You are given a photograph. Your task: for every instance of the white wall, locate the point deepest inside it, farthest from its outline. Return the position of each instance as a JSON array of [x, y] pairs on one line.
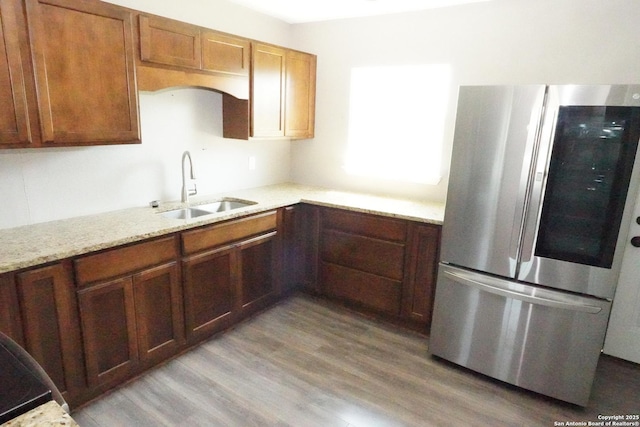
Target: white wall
[[497, 42], [501, 41], [38, 185]]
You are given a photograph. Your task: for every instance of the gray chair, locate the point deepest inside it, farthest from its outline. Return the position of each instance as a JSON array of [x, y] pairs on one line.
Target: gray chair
[[33, 366]]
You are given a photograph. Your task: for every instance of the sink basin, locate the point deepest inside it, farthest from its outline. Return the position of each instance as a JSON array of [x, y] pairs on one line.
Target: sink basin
[[221, 205], [225, 205], [185, 213]]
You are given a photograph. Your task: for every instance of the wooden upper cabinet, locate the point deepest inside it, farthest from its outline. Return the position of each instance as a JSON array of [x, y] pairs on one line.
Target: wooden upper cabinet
[[300, 95], [169, 42], [85, 72], [15, 79], [267, 90], [225, 54], [283, 93]]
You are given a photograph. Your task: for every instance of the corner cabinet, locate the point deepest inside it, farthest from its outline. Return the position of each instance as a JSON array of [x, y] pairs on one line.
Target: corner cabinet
[[282, 101], [84, 64]]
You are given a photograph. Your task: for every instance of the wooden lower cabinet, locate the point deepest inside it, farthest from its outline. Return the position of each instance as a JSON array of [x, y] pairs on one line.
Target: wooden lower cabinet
[[130, 309], [257, 269], [107, 311], [230, 270], [362, 259], [420, 288], [380, 264], [209, 291], [50, 325], [10, 323], [134, 306]]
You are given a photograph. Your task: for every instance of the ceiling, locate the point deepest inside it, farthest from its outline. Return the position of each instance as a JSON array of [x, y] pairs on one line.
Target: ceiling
[[300, 11]]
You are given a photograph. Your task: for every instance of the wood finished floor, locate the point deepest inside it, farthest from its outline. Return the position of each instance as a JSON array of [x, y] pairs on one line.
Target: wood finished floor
[[307, 363]]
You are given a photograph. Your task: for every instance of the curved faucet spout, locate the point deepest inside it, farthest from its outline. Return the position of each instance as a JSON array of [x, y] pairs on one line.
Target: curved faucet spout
[[186, 192]]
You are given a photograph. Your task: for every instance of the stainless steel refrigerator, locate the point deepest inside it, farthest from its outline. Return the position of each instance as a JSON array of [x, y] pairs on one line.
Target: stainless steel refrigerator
[[541, 191]]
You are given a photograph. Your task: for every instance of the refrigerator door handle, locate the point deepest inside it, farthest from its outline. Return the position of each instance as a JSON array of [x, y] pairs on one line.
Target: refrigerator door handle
[[540, 170], [527, 177], [548, 300]]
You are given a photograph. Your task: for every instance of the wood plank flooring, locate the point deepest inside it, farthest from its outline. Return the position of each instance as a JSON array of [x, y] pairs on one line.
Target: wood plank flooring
[[307, 363]]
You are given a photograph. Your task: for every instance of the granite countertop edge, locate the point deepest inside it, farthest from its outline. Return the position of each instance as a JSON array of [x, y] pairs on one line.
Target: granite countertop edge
[[42, 243]]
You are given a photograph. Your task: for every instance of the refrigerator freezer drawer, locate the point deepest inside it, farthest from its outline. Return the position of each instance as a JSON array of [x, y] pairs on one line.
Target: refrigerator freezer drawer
[[542, 340]]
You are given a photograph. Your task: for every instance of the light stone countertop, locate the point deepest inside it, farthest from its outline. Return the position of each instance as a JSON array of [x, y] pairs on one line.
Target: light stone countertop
[[36, 244], [49, 414]]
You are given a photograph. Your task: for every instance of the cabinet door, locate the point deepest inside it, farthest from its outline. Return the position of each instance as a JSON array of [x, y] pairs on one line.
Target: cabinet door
[[267, 91], [169, 42], [84, 67], [258, 273], [225, 54], [209, 281], [10, 323], [424, 242], [14, 116], [50, 323], [107, 314], [301, 95], [159, 317]]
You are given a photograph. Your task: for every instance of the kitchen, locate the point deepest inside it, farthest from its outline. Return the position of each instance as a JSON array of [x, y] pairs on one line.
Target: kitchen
[[514, 42]]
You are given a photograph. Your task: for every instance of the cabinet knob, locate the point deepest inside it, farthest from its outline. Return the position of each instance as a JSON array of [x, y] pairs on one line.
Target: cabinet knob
[[635, 241]]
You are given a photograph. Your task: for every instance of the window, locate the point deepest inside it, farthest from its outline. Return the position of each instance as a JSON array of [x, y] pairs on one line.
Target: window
[[396, 122]]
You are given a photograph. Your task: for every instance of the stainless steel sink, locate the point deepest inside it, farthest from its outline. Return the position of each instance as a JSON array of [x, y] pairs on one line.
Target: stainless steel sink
[[221, 205], [185, 213], [225, 205]]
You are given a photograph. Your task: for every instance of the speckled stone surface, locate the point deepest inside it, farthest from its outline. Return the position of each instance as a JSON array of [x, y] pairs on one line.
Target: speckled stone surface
[[48, 415], [35, 244]]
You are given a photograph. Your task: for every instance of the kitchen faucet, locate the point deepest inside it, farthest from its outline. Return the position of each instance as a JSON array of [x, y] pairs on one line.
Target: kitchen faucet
[[186, 192]]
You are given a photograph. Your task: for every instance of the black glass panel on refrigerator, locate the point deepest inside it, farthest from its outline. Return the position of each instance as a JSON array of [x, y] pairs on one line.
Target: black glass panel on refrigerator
[[590, 168]]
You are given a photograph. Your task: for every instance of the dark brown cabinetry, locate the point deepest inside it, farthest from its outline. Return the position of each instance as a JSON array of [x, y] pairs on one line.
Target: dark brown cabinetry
[[362, 259], [50, 324], [85, 72], [229, 271], [18, 120], [424, 249], [10, 323], [382, 264], [130, 308]]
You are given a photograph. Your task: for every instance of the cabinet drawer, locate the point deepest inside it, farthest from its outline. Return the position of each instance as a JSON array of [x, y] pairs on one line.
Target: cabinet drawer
[[365, 224], [124, 260], [216, 235], [363, 253], [362, 288]]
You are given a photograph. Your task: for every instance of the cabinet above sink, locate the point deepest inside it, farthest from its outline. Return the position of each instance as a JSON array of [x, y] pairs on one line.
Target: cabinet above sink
[[66, 89]]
